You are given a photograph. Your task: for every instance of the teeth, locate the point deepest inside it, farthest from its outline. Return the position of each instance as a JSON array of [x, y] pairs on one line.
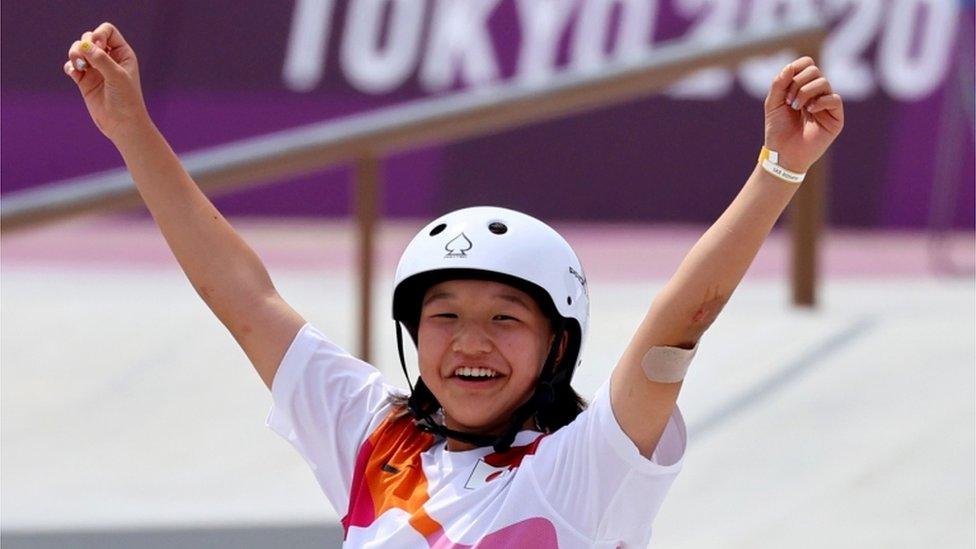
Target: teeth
[[475, 372]]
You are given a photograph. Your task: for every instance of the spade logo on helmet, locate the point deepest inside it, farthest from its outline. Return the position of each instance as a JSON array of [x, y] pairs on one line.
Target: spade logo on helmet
[[458, 246]]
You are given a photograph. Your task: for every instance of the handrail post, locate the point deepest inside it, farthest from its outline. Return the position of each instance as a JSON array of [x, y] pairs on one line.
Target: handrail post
[[367, 181], [807, 220], [807, 224]]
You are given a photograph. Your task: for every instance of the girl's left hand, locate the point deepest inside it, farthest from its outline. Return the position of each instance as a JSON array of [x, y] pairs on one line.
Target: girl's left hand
[[803, 115]]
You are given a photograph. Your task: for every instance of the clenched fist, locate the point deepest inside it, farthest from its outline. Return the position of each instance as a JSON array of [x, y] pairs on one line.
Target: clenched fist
[[803, 115], [104, 67]]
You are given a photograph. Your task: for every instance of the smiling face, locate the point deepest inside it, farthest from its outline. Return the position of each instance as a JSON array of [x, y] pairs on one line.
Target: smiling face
[[481, 348]]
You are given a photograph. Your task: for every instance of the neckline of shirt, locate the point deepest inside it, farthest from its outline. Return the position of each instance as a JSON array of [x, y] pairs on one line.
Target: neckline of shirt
[[464, 457]]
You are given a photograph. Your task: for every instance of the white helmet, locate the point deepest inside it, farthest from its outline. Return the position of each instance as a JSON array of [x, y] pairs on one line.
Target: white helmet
[[516, 249], [497, 244]]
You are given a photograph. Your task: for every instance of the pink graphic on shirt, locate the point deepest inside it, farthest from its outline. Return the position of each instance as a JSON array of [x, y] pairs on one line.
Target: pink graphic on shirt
[[362, 512], [537, 533]]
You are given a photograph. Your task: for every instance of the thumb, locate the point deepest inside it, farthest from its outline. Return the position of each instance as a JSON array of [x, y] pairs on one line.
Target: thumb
[[781, 85], [102, 61]]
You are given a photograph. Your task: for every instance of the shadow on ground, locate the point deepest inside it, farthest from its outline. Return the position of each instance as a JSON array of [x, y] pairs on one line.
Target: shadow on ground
[[294, 537]]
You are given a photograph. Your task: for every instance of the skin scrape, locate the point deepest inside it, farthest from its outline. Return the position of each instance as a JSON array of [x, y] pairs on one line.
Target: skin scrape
[[708, 311]]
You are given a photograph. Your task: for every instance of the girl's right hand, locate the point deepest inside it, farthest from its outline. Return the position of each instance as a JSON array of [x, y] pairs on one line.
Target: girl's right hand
[[104, 67]]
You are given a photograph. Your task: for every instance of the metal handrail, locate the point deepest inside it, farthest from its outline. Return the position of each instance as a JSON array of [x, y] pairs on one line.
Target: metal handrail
[[363, 138], [314, 147]]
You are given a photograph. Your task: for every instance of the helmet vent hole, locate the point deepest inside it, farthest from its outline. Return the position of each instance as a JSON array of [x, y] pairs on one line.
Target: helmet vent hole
[[438, 229], [569, 300], [497, 227]]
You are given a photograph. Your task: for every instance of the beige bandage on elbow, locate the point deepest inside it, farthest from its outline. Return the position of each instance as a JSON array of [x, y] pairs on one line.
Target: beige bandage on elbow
[[667, 364]]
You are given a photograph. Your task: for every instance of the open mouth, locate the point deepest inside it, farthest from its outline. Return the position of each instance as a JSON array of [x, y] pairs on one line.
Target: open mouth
[[476, 375]]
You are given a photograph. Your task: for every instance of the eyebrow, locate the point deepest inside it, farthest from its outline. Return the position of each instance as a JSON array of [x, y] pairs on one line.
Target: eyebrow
[[437, 296], [511, 298]]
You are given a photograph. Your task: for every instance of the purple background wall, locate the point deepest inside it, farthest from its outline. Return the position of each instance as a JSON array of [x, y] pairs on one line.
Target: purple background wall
[[212, 73]]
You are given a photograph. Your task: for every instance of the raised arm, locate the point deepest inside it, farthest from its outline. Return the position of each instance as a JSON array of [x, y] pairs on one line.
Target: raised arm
[[223, 269], [803, 116]]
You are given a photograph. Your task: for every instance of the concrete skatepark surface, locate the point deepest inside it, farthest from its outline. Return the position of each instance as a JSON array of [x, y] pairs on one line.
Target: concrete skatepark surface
[[130, 418]]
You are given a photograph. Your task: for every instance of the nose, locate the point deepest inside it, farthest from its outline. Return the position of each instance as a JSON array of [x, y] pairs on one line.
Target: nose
[[471, 339]]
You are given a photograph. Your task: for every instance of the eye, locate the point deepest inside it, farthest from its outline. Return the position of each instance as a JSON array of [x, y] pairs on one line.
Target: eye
[[444, 315], [504, 317]]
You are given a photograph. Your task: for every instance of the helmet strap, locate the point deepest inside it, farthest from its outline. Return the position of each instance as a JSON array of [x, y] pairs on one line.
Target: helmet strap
[[403, 362]]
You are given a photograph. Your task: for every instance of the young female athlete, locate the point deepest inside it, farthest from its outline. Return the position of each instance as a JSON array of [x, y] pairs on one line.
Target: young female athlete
[[492, 447]]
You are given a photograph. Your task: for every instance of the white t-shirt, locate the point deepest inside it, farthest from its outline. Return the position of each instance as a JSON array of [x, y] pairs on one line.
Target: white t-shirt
[[586, 485]]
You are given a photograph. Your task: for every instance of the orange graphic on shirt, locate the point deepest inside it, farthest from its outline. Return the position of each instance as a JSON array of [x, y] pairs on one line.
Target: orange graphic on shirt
[[389, 475]]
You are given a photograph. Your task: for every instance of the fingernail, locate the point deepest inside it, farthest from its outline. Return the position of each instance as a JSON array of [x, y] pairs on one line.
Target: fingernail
[[80, 64], [795, 105], [86, 46]]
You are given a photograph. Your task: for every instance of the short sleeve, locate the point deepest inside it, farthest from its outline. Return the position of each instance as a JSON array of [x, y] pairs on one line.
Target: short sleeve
[[325, 402], [595, 477]]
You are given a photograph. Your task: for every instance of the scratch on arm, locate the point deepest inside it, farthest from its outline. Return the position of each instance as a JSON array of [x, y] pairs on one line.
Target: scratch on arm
[[712, 304]]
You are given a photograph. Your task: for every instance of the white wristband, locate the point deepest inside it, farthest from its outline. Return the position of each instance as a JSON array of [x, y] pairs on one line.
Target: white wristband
[[769, 160]]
